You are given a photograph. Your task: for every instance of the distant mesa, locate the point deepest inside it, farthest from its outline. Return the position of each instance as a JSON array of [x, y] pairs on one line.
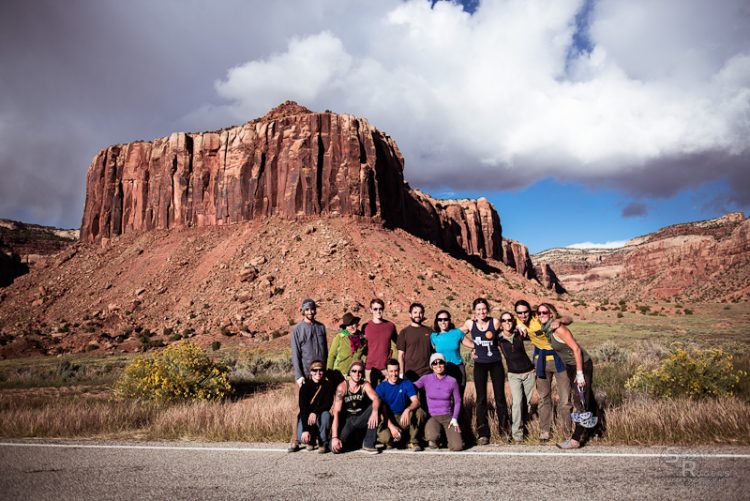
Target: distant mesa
[[24, 245], [700, 261], [291, 163]]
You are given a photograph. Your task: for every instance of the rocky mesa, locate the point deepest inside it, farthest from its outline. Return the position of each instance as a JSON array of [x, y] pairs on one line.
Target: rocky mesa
[[699, 261], [291, 163]]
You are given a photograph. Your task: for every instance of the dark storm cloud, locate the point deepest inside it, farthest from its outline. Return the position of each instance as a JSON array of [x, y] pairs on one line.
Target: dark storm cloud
[[634, 209], [78, 76], [475, 107]]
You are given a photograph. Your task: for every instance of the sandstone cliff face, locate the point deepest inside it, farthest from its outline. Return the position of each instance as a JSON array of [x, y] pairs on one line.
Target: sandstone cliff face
[[471, 227], [290, 163], [705, 260]]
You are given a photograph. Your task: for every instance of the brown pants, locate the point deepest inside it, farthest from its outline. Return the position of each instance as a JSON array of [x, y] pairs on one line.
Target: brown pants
[[564, 407], [435, 427], [416, 422]]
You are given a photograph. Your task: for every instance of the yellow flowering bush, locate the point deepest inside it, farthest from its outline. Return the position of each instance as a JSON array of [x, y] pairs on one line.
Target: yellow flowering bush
[[689, 373], [181, 371]]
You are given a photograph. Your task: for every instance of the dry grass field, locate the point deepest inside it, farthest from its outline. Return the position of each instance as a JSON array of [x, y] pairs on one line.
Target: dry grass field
[[72, 397]]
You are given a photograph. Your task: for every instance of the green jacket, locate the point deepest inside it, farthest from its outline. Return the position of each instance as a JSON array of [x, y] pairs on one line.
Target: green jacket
[[340, 356]]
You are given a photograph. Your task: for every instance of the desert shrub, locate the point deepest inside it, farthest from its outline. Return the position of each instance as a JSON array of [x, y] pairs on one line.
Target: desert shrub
[[690, 373], [609, 382], [253, 366], [609, 352], [215, 345], [180, 372]]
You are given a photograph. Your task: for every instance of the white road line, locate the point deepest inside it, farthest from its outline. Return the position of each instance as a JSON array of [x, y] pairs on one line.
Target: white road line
[[671, 453]]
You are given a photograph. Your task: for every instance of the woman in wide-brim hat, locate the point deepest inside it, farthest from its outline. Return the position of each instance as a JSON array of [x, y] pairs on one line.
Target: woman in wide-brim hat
[[348, 345]]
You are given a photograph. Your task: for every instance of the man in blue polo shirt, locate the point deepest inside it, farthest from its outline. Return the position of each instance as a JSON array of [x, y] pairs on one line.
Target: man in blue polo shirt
[[403, 416]]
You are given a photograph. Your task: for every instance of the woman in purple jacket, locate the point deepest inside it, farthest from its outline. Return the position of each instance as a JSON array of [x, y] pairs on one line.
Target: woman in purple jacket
[[443, 404]]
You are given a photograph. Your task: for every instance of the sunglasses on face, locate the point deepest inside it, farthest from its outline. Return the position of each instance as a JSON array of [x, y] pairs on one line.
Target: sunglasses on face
[[525, 312], [443, 319], [316, 370], [542, 312], [356, 371], [377, 309], [507, 320], [438, 362]]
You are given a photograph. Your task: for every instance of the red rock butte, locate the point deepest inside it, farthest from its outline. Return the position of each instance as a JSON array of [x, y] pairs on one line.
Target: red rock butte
[[291, 163]]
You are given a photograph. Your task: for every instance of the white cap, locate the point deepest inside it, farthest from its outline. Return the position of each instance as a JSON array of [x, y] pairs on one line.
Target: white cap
[[436, 356]]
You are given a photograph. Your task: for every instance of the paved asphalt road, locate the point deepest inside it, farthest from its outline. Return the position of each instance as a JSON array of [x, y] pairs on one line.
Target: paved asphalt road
[[126, 471]]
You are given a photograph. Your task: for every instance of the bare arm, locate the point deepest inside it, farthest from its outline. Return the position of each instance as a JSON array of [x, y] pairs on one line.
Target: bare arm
[[338, 402], [373, 421], [466, 327], [401, 362], [414, 405], [466, 341], [564, 334]]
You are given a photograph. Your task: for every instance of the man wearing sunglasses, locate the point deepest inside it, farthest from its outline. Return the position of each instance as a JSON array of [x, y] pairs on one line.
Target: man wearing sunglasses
[[548, 365], [381, 339], [355, 410], [315, 400]]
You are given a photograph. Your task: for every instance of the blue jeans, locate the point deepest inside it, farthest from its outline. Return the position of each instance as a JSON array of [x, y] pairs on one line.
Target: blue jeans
[[323, 425]]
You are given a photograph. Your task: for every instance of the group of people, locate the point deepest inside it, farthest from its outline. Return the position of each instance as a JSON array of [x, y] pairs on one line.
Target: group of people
[[378, 386]]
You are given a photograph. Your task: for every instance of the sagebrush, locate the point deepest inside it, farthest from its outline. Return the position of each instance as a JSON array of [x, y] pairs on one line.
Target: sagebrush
[[692, 373], [182, 371]]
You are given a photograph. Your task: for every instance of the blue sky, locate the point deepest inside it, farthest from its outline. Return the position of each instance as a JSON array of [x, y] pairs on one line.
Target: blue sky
[[551, 214], [605, 119]]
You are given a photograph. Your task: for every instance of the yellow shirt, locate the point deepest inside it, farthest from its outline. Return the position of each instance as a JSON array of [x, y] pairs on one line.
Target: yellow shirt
[[537, 337]]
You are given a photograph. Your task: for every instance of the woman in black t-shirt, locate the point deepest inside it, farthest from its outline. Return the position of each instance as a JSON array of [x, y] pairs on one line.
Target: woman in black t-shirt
[[520, 371]]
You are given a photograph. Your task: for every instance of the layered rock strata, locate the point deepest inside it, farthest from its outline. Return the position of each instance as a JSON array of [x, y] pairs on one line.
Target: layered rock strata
[[290, 163], [704, 260]]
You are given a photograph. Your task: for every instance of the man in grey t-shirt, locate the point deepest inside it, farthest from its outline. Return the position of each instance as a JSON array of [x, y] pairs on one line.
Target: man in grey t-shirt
[[309, 343]]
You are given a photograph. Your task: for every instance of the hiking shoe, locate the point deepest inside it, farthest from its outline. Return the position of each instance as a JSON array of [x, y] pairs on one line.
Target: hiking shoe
[[432, 444], [416, 447], [544, 436], [484, 441], [322, 449], [293, 447], [569, 444], [370, 450], [309, 447]]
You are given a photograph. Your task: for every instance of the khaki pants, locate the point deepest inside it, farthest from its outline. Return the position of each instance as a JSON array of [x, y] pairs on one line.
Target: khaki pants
[[416, 422], [520, 385], [564, 407], [435, 427]]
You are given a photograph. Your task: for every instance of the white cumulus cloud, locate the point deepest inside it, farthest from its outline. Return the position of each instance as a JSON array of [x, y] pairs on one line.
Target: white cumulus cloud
[[591, 245], [502, 98]]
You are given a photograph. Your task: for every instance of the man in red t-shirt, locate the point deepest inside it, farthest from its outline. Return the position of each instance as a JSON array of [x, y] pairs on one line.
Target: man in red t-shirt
[[381, 342]]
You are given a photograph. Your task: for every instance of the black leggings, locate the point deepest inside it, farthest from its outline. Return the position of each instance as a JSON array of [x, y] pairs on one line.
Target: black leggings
[[497, 376], [588, 398]]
